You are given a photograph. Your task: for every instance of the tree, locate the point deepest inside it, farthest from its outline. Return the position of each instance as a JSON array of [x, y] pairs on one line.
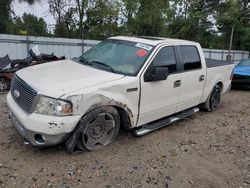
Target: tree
[[192, 19], [57, 9], [68, 13], [33, 25], [208, 22], [81, 6], [67, 27], [5, 13], [101, 19], [95, 19], [151, 18], [234, 13], [128, 11]]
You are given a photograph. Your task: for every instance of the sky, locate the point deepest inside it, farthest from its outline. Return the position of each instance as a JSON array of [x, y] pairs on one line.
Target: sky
[[40, 9]]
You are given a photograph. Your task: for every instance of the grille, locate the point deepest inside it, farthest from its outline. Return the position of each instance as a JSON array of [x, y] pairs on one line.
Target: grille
[[241, 77], [23, 94]]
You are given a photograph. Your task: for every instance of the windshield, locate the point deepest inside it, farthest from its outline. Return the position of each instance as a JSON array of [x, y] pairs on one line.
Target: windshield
[[118, 56], [245, 63]]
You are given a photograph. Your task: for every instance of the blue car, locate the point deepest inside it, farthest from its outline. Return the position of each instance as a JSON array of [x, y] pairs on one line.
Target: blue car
[[241, 76]]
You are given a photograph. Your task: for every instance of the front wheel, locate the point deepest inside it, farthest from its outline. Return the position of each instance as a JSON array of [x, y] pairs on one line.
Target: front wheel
[[97, 129], [213, 100]]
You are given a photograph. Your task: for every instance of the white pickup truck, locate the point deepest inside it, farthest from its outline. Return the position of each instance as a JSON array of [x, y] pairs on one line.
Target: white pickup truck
[[132, 82]]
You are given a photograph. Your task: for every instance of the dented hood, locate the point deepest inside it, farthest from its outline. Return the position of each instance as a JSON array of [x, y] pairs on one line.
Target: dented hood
[[61, 77]]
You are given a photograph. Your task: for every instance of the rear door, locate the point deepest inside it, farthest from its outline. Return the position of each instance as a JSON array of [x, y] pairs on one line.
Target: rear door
[[159, 98], [192, 78]]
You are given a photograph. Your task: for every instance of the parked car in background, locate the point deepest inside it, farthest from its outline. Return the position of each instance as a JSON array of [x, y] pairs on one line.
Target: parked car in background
[[138, 83], [241, 76]]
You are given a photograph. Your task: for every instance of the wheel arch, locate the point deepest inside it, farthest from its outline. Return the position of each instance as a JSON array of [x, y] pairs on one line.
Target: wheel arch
[[220, 84], [124, 117], [84, 104], [125, 114], [74, 143], [206, 105]]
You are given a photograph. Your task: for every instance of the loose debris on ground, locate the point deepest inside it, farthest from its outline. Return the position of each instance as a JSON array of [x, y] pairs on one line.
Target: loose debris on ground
[[205, 150]]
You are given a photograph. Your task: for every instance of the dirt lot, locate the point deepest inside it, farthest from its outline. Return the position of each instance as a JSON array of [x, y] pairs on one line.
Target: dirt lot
[[205, 150]]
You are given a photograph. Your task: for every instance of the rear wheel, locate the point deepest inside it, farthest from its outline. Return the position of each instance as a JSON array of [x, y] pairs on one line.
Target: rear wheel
[[97, 129], [213, 100]]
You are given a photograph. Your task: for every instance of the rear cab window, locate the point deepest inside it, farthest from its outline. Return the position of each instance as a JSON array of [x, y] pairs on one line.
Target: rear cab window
[[190, 58]]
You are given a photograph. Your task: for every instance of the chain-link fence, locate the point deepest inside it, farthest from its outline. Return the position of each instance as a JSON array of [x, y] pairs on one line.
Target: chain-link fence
[[235, 55], [18, 46]]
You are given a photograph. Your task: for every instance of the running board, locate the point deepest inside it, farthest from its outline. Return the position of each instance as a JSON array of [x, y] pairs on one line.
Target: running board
[[147, 128]]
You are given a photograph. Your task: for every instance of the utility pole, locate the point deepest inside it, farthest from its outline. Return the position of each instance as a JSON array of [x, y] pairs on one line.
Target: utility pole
[[230, 45], [81, 21], [82, 40], [27, 40]]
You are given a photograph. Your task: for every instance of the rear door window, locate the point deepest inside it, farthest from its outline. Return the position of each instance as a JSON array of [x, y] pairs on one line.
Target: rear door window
[[190, 57]]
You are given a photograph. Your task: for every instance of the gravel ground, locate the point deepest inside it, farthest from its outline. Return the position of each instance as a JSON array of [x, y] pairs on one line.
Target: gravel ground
[[205, 150]]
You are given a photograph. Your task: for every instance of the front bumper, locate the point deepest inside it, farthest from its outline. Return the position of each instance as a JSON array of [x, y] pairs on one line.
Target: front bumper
[[41, 130], [37, 139]]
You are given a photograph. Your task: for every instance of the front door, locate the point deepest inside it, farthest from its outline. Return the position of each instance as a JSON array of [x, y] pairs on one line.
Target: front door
[[160, 98]]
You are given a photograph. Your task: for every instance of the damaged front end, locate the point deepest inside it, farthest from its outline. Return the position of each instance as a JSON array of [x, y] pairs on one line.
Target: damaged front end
[[73, 143]]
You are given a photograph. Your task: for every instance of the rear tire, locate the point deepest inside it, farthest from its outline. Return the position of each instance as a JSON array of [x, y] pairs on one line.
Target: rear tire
[[19, 64], [213, 100], [97, 129]]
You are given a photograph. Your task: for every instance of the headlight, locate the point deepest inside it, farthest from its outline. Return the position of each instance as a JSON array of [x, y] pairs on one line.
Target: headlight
[[53, 107]]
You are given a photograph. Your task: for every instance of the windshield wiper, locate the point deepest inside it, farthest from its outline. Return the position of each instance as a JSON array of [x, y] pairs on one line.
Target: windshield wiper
[[84, 61], [103, 64], [91, 63]]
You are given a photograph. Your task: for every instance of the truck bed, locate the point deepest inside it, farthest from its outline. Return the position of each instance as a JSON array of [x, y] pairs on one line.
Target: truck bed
[[217, 70], [216, 63]]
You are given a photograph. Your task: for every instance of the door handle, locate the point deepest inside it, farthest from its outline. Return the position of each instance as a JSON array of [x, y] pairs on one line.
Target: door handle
[[202, 77], [177, 83]]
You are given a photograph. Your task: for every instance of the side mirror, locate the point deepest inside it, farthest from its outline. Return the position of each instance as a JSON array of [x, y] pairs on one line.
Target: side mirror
[[156, 74]]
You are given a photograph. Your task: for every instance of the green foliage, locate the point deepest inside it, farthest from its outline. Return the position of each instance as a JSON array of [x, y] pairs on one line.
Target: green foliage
[[5, 11], [101, 20], [245, 40], [150, 19], [208, 22], [31, 24], [191, 19], [232, 12], [67, 27]]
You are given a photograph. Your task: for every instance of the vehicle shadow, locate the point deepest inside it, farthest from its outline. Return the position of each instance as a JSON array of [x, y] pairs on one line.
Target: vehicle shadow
[[238, 88], [123, 138]]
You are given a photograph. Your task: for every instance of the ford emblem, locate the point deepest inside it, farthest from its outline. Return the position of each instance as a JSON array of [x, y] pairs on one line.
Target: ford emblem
[[17, 94]]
